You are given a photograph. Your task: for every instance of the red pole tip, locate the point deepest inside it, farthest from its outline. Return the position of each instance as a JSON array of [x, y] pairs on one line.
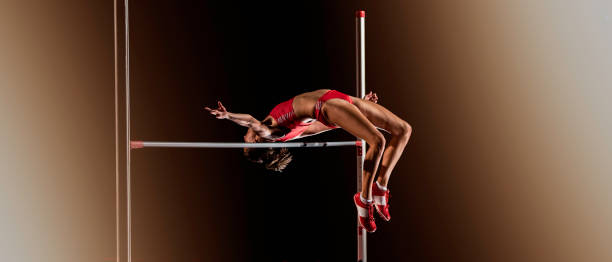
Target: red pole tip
[[360, 13], [136, 144], [358, 143]]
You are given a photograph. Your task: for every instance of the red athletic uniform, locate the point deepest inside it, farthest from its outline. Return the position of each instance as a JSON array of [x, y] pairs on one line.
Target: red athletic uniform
[[285, 116]]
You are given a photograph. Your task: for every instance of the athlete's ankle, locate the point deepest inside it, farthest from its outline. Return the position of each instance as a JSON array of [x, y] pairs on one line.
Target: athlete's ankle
[[380, 186], [365, 200]]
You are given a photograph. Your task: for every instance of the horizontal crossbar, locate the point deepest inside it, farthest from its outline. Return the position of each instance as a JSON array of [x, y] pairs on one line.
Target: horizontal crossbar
[[143, 144]]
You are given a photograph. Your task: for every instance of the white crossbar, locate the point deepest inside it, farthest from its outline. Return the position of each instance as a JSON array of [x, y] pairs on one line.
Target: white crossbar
[[143, 144]]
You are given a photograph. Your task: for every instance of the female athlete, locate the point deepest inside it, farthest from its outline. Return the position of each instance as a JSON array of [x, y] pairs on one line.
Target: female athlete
[[322, 110]]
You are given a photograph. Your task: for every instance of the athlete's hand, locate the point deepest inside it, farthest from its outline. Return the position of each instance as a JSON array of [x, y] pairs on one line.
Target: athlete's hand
[[220, 112], [372, 97]]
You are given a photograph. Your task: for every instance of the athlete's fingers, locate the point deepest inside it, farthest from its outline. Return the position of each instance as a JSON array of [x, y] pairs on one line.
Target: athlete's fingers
[[221, 106], [213, 111]]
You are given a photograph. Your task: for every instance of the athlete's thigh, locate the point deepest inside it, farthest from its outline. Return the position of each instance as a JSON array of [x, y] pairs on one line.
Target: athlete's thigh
[[380, 116], [349, 118]]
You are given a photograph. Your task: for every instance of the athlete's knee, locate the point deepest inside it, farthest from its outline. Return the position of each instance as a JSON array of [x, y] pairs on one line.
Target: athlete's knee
[[377, 142], [404, 130]]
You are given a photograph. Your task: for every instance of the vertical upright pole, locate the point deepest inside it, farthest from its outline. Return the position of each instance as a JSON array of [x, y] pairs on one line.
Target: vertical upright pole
[[360, 80], [128, 177], [117, 194]]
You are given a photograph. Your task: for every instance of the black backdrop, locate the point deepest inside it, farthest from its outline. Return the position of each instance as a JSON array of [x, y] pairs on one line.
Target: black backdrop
[[188, 54]]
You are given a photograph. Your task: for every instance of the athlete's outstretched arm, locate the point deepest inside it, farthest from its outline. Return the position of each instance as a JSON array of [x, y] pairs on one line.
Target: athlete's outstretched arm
[[245, 120]]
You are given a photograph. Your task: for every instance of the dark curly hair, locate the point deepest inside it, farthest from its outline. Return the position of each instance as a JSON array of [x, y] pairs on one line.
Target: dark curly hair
[[275, 159]]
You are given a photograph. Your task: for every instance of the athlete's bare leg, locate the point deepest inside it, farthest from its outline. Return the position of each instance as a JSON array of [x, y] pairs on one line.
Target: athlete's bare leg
[[348, 116], [400, 134]]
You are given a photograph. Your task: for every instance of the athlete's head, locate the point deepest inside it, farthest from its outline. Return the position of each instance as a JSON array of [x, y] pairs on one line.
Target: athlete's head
[[275, 159]]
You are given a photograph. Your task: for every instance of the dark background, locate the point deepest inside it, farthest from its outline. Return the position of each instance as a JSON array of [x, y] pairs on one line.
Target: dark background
[[509, 101], [189, 54]]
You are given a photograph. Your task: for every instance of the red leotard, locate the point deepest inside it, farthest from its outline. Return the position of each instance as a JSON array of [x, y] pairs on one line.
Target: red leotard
[[331, 94], [285, 116]]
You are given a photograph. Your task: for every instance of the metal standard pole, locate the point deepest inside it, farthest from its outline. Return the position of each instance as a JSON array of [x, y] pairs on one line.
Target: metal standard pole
[[127, 132], [117, 195], [360, 84]]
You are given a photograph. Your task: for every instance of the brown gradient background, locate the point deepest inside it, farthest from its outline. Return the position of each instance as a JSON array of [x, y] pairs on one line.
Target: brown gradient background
[[509, 100]]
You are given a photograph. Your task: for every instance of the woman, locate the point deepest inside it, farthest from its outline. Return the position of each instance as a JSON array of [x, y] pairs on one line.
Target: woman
[[322, 110]]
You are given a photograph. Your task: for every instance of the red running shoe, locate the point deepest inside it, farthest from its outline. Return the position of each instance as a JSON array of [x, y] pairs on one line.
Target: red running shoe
[[365, 213], [381, 201]]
